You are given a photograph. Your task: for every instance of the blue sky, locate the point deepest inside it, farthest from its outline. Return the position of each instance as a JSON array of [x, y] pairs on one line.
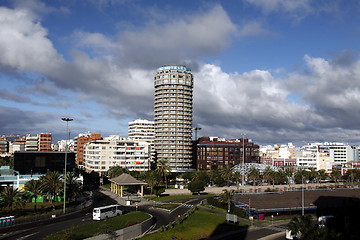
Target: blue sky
[[277, 70]]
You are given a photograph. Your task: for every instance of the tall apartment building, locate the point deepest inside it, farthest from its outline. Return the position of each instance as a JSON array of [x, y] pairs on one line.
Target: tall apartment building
[[4, 145], [143, 130], [100, 155], [215, 153], [45, 141], [80, 141], [173, 116], [31, 143]]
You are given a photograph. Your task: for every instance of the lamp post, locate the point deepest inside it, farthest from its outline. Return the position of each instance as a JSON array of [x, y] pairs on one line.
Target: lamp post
[[302, 195], [67, 120], [243, 161]]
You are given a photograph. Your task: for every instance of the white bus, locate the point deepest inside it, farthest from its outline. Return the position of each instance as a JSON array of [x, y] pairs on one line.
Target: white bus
[[105, 212]]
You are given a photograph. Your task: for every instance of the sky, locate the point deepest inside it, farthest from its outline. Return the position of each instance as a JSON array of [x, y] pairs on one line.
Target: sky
[[277, 71]]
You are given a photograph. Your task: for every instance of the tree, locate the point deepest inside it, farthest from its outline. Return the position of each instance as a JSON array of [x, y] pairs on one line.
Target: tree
[[237, 175], [73, 186], [213, 174], [201, 176], [11, 198], [302, 226], [254, 175], [280, 177], [300, 175], [152, 180], [335, 175], [158, 190], [196, 186], [227, 197], [35, 188], [269, 175], [115, 171], [163, 170], [227, 174], [322, 175], [313, 175], [51, 183]]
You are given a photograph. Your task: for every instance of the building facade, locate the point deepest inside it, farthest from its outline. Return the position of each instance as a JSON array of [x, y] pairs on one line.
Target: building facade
[[143, 130], [80, 142], [173, 116], [100, 155], [216, 153], [31, 143], [45, 142], [4, 145]]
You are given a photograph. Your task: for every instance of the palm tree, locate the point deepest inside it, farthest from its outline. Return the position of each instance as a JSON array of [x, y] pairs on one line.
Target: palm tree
[[163, 169], [51, 183], [200, 176], [152, 180], [11, 198], [269, 175], [116, 171], [335, 174], [227, 174], [322, 175], [254, 175], [237, 176], [227, 197], [301, 174], [302, 226], [73, 187], [35, 188], [213, 174]]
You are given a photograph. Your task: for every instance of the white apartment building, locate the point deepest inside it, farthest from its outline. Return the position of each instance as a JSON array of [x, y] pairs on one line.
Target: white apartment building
[[341, 154], [141, 129], [325, 155], [31, 143], [100, 155], [307, 162]]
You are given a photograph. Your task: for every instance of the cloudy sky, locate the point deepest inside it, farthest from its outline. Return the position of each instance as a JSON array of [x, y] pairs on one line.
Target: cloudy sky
[[277, 70]]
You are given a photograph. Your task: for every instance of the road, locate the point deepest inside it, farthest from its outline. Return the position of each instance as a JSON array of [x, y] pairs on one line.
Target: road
[[39, 230]]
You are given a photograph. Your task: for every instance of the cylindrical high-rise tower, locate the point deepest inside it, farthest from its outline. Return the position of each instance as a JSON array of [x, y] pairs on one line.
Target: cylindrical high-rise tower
[[173, 116]]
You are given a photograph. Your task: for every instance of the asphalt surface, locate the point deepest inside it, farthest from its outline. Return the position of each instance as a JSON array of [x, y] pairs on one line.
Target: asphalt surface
[[40, 229]]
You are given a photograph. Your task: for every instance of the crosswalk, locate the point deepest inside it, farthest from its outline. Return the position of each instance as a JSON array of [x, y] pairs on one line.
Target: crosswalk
[[187, 205]]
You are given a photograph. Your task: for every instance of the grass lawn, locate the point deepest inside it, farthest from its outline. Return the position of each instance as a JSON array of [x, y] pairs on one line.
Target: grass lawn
[[100, 227], [215, 208], [199, 225]]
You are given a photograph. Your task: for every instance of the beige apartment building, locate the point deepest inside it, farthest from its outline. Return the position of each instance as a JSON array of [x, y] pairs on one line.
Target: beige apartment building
[[173, 116]]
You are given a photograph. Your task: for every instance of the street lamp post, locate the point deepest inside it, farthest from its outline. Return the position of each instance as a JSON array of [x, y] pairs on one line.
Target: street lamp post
[[67, 120], [243, 160]]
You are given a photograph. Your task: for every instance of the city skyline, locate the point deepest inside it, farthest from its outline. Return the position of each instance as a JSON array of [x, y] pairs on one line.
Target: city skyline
[[278, 71]]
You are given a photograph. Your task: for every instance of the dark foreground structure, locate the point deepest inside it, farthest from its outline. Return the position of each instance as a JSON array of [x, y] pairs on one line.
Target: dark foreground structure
[[343, 204], [36, 162]]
